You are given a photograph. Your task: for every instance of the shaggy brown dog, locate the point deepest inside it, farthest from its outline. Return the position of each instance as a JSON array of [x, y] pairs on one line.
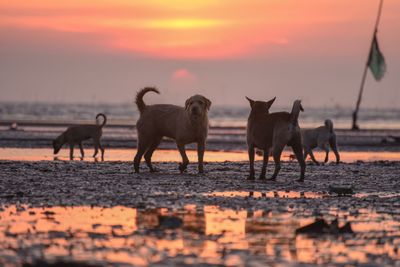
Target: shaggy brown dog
[[275, 130], [185, 125], [76, 134], [321, 137]]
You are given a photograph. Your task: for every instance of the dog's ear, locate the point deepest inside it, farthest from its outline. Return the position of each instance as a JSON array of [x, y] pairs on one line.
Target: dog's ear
[[301, 107], [270, 102], [251, 101], [208, 103], [187, 103]]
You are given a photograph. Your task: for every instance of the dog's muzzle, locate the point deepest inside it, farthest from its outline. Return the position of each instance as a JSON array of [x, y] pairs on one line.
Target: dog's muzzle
[[195, 112]]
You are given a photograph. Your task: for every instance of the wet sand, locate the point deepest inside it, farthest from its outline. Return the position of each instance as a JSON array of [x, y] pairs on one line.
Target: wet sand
[[166, 155], [104, 214]]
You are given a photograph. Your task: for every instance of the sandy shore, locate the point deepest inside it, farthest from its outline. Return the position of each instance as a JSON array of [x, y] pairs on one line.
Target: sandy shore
[[114, 183], [104, 214]]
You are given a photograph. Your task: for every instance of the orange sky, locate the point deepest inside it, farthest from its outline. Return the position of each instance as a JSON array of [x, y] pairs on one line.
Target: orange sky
[[76, 50], [205, 29]]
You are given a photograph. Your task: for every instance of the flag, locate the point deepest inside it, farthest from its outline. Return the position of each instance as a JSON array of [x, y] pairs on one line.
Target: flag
[[376, 61]]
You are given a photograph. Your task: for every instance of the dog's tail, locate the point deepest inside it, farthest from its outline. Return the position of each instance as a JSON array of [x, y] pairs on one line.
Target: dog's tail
[[294, 115], [329, 125], [104, 119], [139, 97]]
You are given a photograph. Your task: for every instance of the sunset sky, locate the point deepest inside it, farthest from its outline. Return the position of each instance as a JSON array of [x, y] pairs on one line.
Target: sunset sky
[[103, 51]]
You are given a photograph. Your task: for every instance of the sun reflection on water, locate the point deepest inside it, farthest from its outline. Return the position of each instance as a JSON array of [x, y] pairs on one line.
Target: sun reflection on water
[[212, 234]]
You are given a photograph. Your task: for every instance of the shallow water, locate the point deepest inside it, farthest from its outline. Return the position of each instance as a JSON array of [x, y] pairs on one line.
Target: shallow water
[[294, 194], [36, 154], [219, 115], [192, 235]]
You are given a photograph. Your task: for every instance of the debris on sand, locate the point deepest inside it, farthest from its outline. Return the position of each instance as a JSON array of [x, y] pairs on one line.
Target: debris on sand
[[320, 226], [341, 190]]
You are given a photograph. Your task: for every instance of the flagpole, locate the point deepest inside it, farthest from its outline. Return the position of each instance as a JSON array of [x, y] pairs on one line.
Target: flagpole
[[355, 113]]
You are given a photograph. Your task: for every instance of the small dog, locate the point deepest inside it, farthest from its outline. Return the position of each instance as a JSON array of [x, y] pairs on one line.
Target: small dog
[[185, 125], [275, 130], [321, 137], [76, 134]]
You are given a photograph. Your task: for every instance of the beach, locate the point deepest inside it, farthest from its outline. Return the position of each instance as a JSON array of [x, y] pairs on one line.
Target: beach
[[168, 218], [89, 212], [129, 131]]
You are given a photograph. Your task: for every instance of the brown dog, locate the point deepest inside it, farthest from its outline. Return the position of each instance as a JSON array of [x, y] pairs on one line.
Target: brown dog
[[184, 125], [275, 130], [321, 137], [76, 134]]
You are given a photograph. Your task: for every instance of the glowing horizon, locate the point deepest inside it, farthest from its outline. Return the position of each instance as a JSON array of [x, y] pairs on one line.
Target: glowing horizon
[[177, 29]]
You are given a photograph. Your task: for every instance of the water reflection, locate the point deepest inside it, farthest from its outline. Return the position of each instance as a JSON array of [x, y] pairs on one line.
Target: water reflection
[[268, 194], [36, 154], [193, 235]]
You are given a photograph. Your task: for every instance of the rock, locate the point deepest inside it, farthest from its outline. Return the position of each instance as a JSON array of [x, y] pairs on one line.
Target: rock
[[341, 190], [320, 226]]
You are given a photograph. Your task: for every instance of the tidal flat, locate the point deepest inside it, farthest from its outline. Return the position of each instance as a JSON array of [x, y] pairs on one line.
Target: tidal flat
[[102, 214]]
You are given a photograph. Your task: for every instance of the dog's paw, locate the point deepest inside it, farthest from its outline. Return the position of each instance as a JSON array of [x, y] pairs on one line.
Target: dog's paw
[[272, 179], [250, 177], [182, 167], [262, 177], [154, 169], [301, 180]]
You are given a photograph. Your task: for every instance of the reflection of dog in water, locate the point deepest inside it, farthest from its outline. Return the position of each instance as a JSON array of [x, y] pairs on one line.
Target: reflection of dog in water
[[185, 125], [273, 131], [321, 137], [77, 134]]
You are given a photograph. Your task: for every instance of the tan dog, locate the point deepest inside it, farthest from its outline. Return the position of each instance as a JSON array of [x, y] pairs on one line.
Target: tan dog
[[321, 137], [273, 131], [185, 125], [76, 134]]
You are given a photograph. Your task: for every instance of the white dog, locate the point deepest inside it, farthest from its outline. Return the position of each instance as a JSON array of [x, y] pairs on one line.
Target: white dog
[[185, 125], [321, 137]]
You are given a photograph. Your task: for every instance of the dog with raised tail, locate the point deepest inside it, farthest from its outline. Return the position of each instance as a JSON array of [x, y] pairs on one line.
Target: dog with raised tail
[[75, 135], [322, 137], [185, 125], [273, 131]]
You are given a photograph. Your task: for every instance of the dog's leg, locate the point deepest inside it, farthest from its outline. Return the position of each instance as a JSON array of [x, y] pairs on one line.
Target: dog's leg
[[71, 151], [185, 160], [149, 154], [82, 152], [102, 151], [305, 153], [326, 149], [312, 157], [201, 146], [96, 149], [142, 147], [298, 151], [332, 143], [251, 160], [277, 151], [265, 163]]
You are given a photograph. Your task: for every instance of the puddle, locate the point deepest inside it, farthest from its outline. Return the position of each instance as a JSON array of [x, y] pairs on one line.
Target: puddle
[[268, 194], [295, 194], [36, 154], [122, 236]]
